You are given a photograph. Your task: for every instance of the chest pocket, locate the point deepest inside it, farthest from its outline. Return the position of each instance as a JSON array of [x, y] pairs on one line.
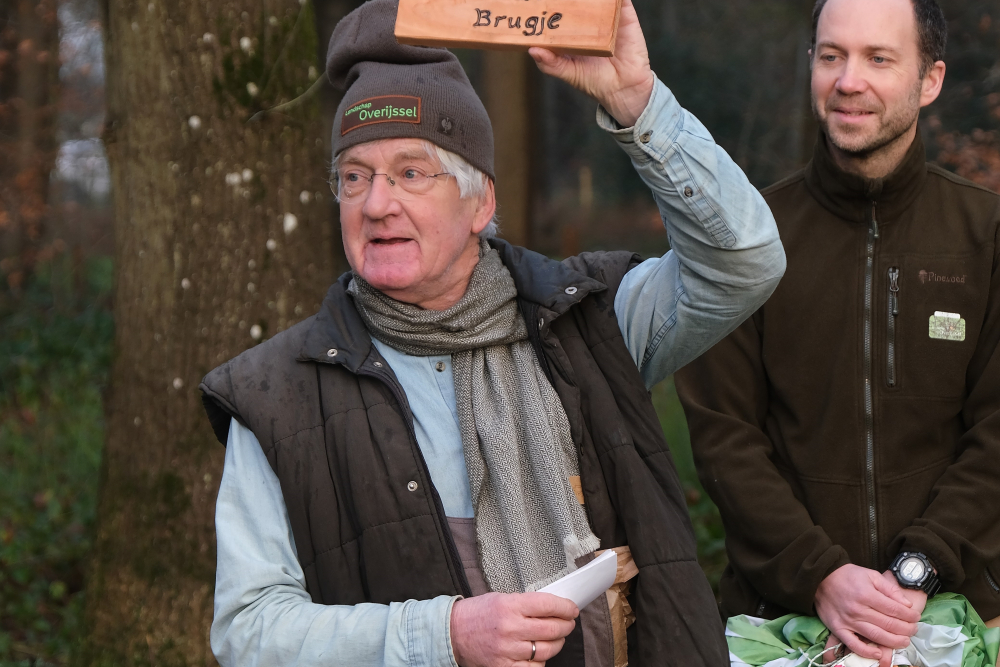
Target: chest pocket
[[934, 309]]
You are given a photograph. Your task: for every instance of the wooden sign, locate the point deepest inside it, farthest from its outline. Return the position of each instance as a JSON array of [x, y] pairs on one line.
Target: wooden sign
[[586, 27]]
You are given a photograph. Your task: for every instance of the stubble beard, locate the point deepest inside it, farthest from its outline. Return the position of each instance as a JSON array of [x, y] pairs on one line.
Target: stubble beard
[[892, 125]]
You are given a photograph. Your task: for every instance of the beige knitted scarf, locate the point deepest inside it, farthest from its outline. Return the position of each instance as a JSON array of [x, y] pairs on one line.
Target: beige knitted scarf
[[518, 451]]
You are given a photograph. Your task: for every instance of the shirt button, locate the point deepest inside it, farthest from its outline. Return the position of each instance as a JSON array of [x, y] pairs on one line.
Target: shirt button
[[688, 192], [439, 366], [646, 137], [412, 486], [331, 352], [571, 291]]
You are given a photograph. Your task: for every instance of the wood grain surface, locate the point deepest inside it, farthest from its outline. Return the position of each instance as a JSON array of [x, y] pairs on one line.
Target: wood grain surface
[[585, 27]]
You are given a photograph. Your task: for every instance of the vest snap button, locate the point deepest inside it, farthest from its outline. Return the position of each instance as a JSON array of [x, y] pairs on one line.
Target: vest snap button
[[571, 291], [331, 353], [377, 364], [541, 322], [412, 486]]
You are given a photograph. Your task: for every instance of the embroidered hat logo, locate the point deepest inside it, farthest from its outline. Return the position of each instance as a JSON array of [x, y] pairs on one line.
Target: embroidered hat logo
[[931, 277], [383, 109]]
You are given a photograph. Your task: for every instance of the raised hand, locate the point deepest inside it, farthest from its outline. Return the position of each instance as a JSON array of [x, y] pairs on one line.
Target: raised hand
[[496, 630], [868, 611], [622, 84]]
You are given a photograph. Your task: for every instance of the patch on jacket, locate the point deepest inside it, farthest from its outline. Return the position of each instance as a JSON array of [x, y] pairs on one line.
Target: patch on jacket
[[947, 326]]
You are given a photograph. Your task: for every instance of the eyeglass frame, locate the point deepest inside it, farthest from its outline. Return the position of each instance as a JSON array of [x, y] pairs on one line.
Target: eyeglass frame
[[334, 184]]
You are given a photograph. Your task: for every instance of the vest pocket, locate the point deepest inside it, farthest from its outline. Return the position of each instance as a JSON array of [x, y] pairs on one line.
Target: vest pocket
[[893, 301]]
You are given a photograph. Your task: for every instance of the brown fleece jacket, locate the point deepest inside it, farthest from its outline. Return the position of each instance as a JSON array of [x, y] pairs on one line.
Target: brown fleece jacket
[[851, 418]]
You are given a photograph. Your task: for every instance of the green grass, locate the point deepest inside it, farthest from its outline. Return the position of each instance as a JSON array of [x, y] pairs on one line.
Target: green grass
[[55, 352]]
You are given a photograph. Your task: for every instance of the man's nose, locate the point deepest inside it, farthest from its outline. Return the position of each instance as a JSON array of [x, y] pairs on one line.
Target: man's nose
[[852, 80], [381, 200]]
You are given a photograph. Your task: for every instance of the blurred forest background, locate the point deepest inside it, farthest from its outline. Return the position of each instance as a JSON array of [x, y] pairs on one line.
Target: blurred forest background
[[130, 169]]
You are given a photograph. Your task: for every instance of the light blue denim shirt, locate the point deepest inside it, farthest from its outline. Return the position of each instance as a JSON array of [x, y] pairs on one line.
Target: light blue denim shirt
[[725, 260]]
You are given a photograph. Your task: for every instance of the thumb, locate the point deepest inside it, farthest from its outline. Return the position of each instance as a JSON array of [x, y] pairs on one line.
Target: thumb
[[548, 62]]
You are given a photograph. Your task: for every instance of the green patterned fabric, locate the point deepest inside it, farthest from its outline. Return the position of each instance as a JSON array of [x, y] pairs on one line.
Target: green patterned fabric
[[950, 634]]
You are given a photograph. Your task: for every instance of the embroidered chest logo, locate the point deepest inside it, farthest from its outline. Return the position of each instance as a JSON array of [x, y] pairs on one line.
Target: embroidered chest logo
[[384, 109], [931, 277]]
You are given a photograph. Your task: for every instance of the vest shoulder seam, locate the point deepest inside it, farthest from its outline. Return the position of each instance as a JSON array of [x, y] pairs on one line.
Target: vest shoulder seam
[[275, 443], [279, 441], [317, 554]]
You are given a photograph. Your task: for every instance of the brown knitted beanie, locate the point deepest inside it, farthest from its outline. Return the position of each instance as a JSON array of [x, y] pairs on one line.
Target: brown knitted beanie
[[399, 91]]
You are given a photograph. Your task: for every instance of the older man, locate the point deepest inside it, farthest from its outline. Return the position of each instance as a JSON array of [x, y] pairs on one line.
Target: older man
[[850, 431], [465, 421]]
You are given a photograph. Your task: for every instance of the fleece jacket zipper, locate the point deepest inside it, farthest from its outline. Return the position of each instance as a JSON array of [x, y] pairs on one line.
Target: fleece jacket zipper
[[890, 373], [869, 401]]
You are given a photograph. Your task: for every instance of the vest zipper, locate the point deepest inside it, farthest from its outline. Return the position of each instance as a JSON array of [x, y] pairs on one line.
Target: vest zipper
[[990, 581], [891, 326], [869, 402], [400, 397]]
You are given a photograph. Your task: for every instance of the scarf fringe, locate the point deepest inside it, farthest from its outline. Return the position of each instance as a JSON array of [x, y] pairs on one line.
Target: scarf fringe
[[575, 548]]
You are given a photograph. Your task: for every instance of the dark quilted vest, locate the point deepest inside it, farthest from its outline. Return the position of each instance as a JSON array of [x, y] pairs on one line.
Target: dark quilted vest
[[336, 428]]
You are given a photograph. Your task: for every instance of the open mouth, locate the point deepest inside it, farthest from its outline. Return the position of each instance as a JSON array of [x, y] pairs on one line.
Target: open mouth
[[390, 241], [852, 114]]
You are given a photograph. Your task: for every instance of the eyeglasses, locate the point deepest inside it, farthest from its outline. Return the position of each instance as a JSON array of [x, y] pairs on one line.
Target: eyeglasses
[[352, 185]]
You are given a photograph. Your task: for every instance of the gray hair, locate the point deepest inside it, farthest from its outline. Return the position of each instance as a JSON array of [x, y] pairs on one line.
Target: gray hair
[[472, 183]]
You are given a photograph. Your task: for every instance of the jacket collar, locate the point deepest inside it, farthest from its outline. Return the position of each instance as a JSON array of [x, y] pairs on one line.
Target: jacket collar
[[339, 336], [850, 196]]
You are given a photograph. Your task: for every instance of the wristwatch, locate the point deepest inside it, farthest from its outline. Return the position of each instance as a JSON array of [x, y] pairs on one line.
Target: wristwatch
[[913, 570]]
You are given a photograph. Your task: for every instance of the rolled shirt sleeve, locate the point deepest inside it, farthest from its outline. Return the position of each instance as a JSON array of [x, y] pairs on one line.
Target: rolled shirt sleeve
[[725, 258], [263, 614]]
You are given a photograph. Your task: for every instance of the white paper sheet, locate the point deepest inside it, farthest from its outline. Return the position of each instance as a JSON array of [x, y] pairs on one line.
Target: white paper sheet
[[584, 585]]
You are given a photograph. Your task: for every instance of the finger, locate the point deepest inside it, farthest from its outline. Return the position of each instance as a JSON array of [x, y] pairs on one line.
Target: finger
[[831, 654], [548, 62], [544, 629], [889, 624], [546, 605], [880, 636], [887, 605], [891, 589], [855, 645], [544, 651], [886, 659]]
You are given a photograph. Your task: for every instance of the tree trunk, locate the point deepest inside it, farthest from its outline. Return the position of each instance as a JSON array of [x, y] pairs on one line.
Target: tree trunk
[[29, 83], [507, 82], [328, 15], [222, 239]]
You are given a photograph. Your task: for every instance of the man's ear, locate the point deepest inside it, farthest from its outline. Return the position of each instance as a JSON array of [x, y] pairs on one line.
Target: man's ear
[[930, 87], [486, 208]]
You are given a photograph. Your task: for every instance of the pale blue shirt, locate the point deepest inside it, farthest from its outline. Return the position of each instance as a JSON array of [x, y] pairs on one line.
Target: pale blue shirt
[[725, 260]]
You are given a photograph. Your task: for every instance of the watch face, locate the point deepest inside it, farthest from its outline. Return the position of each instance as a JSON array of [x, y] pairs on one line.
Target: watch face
[[912, 569]]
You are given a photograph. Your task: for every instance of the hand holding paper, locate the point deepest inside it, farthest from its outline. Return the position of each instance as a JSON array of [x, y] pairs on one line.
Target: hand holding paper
[[583, 586]]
